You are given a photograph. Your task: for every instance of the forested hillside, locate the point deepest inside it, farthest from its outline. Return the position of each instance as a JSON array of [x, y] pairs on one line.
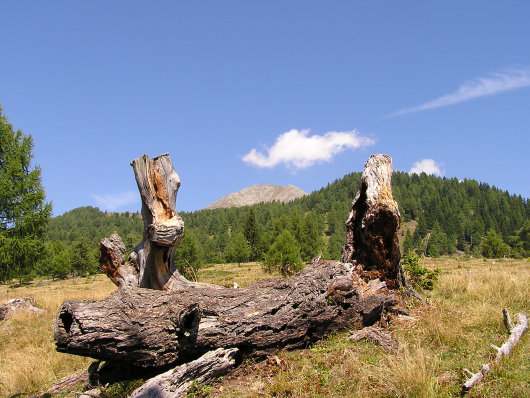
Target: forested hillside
[[445, 215]]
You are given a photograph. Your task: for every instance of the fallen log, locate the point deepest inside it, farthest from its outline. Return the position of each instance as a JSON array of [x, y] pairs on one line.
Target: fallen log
[[148, 327], [175, 383], [175, 320], [516, 332]]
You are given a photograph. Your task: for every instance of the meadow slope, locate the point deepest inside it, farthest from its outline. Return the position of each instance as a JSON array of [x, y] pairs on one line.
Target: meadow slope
[[451, 333]]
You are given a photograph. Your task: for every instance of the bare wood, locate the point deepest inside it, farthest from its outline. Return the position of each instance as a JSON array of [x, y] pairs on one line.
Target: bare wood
[[11, 307], [376, 335], [373, 222], [515, 335], [111, 259], [147, 327], [176, 382], [151, 264]]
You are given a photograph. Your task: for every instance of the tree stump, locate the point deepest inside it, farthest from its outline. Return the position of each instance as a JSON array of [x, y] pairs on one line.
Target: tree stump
[[373, 223]]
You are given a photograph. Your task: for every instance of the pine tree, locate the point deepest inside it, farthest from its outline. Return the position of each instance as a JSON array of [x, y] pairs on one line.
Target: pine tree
[[238, 250], [252, 235], [84, 260], [408, 243], [24, 215], [493, 246], [61, 260], [335, 243], [311, 242], [188, 256], [521, 241], [284, 254]]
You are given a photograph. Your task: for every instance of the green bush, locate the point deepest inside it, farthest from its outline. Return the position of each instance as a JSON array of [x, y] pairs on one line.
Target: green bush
[[420, 276]]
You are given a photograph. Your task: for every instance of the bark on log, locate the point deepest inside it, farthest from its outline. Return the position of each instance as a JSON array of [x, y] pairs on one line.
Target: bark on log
[[176, 382], [147, 327], [516, 333], [373, 224]]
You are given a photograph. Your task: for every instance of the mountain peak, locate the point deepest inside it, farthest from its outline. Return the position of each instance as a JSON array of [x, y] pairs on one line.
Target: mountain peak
[[258, 194]]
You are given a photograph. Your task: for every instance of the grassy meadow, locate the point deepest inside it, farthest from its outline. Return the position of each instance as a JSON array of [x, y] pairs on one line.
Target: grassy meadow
[[451, 333]]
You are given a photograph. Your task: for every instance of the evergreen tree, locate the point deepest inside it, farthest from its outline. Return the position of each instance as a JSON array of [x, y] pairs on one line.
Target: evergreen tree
[[521, 241], [24, 215], [238, 250], [188, 256], [284, 254], [436, 243], [336, 241], [84, 260], [421, 229], [408, 243], [61, 261], [493, 246], [252, 235], [310, 242]]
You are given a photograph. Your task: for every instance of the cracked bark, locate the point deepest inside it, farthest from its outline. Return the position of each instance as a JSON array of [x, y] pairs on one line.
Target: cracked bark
[[147, 327]]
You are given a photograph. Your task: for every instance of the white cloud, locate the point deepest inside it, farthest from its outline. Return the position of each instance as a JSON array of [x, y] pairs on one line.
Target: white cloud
[[428, 166], [298, 149], [480, 87], [113, 202]]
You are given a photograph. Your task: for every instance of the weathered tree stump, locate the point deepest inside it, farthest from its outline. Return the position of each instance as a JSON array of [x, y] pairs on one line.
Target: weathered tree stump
[[373, 224], [151, 264]]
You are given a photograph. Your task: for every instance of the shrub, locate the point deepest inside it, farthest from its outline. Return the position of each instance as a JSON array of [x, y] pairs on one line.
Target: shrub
[[420, 276]]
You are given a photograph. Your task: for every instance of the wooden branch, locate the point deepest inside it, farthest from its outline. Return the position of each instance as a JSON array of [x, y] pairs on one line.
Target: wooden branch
[[147, 327], [376, 335], [111, 259], [515, 335], [176, 382]]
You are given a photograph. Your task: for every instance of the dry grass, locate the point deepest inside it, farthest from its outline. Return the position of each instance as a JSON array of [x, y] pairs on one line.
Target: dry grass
[[452, 333], [28, 360], [243, 274]]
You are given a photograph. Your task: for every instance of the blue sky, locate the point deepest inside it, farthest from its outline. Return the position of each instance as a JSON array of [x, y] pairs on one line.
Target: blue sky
[[258, 92]]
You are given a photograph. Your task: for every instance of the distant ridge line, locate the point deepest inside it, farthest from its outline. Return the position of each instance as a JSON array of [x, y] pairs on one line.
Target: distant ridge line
[[258, 194]]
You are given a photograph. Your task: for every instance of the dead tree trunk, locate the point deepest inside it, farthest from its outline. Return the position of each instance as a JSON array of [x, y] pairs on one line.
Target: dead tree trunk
[[151, 328], [373, 224], [151, 264]]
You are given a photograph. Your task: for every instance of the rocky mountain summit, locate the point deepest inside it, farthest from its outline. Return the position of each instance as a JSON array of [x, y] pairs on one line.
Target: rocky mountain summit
[[258, 194]]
